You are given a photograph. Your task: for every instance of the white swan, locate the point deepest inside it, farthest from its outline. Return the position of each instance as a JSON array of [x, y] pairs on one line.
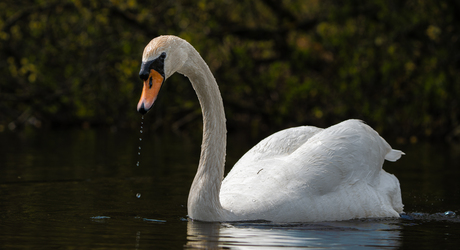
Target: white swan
[[300, 174]]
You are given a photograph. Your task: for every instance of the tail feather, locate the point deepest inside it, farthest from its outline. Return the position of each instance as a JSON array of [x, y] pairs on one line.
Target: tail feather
[[394, 155]]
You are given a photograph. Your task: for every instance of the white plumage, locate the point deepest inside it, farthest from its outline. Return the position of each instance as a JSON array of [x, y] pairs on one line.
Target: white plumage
[[299, 174], [313, 174]]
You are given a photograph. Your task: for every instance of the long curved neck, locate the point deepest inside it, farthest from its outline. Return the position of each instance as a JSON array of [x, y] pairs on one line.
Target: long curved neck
[[203, 201]]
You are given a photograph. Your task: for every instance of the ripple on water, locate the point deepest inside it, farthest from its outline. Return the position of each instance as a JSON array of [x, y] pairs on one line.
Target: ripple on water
[[153, 220], [442, 216], [100, 219]]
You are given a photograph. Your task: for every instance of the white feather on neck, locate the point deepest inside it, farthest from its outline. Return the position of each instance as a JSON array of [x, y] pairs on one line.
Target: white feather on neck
[[203, 201]]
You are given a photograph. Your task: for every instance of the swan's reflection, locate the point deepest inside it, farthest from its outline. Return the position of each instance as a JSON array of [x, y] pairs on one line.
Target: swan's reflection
[[345, 234]]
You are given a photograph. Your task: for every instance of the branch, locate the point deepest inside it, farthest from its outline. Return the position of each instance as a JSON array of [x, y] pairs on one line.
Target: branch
[[278, 8], [132, 20]]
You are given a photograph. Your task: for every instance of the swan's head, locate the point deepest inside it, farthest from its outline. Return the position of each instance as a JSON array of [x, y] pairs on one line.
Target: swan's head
[[162, 57]]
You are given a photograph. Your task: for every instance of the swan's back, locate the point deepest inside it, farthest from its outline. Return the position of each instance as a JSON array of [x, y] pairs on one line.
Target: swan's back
[[281, 143], [315, 174]]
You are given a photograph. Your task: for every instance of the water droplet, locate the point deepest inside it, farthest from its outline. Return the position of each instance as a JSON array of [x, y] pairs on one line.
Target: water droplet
[[253, 200], [140, 140], [138, 195]]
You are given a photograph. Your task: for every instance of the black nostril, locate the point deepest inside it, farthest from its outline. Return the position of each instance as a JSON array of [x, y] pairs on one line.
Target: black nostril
[[142, 109]]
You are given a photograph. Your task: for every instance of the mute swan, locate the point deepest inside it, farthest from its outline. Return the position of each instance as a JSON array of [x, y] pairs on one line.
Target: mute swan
[[300, 174]]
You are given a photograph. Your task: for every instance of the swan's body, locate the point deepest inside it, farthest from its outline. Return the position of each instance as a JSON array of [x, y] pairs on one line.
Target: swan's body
[[300, 174]]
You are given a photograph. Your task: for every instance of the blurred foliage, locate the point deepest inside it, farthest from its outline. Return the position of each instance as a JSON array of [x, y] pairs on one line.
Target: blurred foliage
[[394, 64]]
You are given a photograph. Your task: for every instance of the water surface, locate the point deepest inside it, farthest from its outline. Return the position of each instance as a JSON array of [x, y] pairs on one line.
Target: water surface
[[82, 189]]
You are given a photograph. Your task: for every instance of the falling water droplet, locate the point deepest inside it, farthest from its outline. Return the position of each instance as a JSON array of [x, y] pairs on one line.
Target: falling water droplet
[[139, 152], [138, 195]]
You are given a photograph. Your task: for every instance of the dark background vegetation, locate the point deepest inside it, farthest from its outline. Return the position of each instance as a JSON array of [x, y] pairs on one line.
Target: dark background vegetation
[[394, 64]]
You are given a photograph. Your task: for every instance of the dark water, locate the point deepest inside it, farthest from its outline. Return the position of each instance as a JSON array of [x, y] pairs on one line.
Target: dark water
[[82, 189]]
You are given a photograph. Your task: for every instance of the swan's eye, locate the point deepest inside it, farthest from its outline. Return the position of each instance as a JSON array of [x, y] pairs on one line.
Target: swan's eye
[[159, 64]]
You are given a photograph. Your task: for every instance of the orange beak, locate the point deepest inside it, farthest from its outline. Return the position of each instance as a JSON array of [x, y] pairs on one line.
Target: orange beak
[[150, 91]]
